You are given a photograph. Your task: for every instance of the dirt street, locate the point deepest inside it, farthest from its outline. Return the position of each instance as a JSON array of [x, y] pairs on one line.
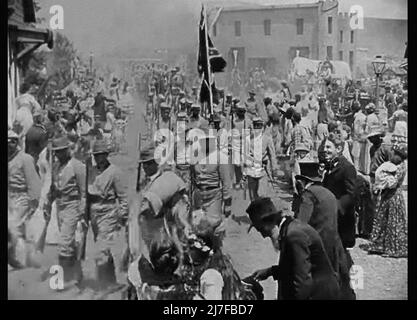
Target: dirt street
[[383, 278]]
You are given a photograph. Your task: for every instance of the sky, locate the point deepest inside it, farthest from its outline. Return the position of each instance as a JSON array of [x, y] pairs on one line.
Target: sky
[[129, 26]]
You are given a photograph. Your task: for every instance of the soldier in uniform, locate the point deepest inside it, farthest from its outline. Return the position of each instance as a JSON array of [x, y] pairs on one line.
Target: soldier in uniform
[[196, 120], [161, 193], [252, 106], [68, 190], [240, 125], [23, 195], [107, 200], [166, 123], [182, 156], [257, 158], [212, 183]]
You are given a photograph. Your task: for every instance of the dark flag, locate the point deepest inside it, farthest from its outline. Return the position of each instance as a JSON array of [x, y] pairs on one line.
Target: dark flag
[[209, 61]]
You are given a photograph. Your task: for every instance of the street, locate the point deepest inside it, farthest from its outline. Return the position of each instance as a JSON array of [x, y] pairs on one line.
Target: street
[[376, 277]]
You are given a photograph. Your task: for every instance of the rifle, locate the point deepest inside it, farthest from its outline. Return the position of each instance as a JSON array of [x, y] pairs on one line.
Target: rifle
[[87, 214], [40, 243]]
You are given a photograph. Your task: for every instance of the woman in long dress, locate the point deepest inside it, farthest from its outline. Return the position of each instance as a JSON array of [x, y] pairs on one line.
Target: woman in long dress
[[389, 235]]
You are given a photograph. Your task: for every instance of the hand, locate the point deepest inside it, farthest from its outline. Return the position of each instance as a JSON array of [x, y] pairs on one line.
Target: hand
[[262, 274]]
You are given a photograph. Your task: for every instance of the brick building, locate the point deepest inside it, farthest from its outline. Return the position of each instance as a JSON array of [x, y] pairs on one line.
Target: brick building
[[268, 36]]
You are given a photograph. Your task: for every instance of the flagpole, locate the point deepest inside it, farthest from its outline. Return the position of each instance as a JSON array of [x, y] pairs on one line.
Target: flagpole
[[208, 61]]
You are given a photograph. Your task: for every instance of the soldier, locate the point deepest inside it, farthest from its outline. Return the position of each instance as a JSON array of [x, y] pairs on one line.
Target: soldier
[[239, 126], [68, 190], [252, 106], [212, 183], [37, 136], [258, 150], [196, 120], [107, 198], [161, 193], [182, 157], [23, 195]]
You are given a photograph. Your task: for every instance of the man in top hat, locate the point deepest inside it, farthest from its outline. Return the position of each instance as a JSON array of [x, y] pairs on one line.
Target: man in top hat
[[108, 205], [304, 271], [37, 136], [159, 196], [259, 149], [68, 191], [24, 188], [251, 106], [318, 207], [196, 120]]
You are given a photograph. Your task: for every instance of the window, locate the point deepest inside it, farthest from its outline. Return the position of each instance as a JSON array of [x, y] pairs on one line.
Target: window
[[351, 60], [341, 36], [351, 36], [214, 30], [237, 29], [267, 27], [341, 55], [330, 24], [300, 26], [330, 52]]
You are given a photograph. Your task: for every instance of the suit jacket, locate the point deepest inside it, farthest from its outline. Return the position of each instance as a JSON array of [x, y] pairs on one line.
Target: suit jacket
[[340, 179], [318, 208], [304, 271]]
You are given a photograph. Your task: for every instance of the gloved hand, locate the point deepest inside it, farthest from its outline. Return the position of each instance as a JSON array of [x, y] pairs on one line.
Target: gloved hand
[[262, 274]]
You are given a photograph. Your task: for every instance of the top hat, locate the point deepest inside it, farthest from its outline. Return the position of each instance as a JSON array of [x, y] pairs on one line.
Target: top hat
[[309, 171], [61, 143], [195, 106], [101, 146], [236, 100], [261, 209]]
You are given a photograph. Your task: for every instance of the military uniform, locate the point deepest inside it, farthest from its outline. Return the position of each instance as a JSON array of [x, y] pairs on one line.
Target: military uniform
[[256, 159], [68, 190], [159, 197], [212, 193], [196, 122], [239, 130], [23, 194], [107, 198]]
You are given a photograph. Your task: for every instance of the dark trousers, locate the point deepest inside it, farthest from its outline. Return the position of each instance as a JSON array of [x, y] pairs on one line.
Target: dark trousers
[[253, 186], [238, 173]]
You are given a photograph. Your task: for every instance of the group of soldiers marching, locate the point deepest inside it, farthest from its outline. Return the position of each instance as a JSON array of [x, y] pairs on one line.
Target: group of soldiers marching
[[170, 246]]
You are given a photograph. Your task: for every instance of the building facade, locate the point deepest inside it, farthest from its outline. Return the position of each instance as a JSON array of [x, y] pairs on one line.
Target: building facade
[[22, 39], [269, 36]]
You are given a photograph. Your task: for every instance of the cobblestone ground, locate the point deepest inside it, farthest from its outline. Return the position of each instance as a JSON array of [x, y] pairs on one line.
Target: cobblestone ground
[[383, 278]]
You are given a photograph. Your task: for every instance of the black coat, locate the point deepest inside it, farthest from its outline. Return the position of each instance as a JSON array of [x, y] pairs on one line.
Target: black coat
[[341, 179], [318, 208], [304, 271]]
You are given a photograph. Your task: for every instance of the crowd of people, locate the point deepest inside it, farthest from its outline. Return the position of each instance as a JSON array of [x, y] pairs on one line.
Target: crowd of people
[[346, 181]]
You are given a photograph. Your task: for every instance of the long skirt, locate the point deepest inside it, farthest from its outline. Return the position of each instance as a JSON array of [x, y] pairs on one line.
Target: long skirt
[[389, 234]]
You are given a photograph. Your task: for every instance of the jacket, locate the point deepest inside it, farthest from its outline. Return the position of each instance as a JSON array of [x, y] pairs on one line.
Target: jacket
[[340, 179], [304, 271]]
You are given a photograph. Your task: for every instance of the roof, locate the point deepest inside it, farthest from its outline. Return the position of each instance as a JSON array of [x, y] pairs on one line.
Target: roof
[[259, 4]]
